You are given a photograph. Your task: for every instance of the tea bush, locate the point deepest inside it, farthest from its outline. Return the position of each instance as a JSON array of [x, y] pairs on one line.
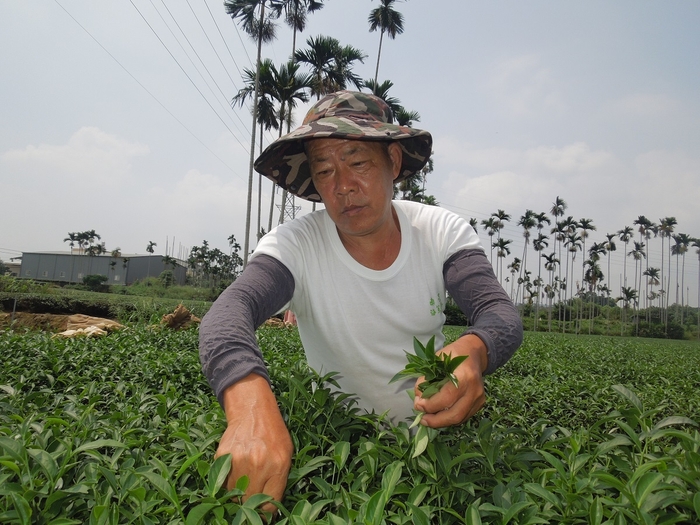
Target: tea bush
[[123, 429]]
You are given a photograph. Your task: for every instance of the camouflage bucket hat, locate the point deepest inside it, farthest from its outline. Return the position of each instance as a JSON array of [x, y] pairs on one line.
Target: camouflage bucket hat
[[341, 115]]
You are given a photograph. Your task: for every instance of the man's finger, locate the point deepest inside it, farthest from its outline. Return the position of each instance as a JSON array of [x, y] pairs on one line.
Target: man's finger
[[464, 408]]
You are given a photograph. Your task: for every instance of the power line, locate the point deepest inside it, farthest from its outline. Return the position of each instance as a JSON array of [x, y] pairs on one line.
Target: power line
[[146, 90], [225, 108], [188, 76], [210, 42], [226, 45]]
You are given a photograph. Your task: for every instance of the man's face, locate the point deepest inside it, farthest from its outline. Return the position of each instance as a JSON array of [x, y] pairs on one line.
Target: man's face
[[355, 181]]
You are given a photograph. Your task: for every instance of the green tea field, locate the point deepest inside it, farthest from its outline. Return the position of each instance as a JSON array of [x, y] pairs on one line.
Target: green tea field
[[123, 429]]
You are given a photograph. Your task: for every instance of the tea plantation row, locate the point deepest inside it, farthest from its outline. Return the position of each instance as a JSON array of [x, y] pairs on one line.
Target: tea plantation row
[[123, 430]]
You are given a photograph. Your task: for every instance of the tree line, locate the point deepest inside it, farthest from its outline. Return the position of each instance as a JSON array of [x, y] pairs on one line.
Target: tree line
[[572, 274]]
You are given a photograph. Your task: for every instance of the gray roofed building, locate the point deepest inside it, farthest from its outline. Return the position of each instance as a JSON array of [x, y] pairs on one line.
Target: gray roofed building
[[66, 267]]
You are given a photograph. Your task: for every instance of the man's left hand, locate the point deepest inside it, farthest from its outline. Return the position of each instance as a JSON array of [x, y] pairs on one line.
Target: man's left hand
[[454, 405]]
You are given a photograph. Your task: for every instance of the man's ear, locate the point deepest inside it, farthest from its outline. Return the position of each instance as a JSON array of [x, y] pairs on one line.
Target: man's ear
[[396, 157]]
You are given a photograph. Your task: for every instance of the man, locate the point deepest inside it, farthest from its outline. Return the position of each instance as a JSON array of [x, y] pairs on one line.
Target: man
[[363, 277]]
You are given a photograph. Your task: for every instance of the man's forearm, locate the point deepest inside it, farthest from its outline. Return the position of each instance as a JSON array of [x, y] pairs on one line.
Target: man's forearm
[[228, 349]]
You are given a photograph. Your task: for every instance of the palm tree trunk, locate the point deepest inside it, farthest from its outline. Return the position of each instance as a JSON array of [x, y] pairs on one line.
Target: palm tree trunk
[[677, 286], [607, 327], [683, 289], [284, 193], [257, 233], [562, 317], [539, 289], [272, 197], [579, 316], [379, 54], [246, 243], [668, 291], [272, 206], [661, 318]]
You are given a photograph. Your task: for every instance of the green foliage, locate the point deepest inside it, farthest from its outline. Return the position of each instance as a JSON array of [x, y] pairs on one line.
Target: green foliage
[[96, 283], [167, 278], [453, 315], [660, 331], [124, 429], [14, 285], [152, 287], [123, 308], [437, 369]]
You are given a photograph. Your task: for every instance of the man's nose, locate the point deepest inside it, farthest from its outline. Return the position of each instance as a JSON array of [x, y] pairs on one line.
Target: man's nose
[[346, 180]]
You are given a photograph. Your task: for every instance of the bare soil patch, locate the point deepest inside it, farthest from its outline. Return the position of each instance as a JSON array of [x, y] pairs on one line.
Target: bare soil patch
[[52, 322]]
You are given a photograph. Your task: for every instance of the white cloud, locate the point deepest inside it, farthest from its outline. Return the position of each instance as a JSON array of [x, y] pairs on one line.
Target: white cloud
[[646, 105], [576, 157], [199, 192], [523, 87], [90, 153], [571, 158], [201, 206]]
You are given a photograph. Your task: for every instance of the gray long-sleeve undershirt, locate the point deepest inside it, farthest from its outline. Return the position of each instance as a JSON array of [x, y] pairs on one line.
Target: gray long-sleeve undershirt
[[228, 349]]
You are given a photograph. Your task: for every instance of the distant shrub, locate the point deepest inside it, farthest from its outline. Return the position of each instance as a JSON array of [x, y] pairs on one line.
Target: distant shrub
[[453, 315], [96, 283], [167, 278], [659, 331]]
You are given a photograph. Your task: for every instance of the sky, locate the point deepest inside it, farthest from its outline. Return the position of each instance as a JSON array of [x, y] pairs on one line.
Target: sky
[[116, 116]]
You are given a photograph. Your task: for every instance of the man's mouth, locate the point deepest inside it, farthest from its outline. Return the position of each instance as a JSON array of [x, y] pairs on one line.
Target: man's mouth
[[352, 209]]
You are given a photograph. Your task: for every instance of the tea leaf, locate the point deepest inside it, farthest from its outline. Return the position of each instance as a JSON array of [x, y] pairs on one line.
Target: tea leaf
[[473, 517], [391, 477], [218, 474], [342, 451], [629, 396], [515, 509], [421, 351], [420, 442], [375, 508], [24, 512], [100, 443], [646, 485], [162, 486], [198, 513]]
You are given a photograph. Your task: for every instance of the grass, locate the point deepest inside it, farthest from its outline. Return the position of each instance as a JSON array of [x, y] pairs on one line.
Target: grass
[[123, 430]]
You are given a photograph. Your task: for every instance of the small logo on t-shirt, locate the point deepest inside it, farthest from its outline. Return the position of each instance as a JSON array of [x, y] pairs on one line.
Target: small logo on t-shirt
[[435, 306]]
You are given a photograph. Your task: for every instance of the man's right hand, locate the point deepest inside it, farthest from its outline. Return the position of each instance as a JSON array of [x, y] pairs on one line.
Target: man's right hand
[[257, 439]]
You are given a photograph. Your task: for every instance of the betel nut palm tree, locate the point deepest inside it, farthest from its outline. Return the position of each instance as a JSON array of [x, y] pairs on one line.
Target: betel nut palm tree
[[413, 187], [502, 251], [696, 244], [646, 227], [150, 250], [295, 15], [666, 228], [387, 20], [539, 244], [527, 221], [557, 210], [262, 29], [683, 242], [279, 91], [490, 227], [266, 113], [330, 64]]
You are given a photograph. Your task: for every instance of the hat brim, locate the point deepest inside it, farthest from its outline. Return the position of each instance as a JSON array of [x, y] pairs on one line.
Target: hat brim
[[285, 162]]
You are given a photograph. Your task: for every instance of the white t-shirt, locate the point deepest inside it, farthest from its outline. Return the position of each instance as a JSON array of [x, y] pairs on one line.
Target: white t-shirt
[[357, 321]]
